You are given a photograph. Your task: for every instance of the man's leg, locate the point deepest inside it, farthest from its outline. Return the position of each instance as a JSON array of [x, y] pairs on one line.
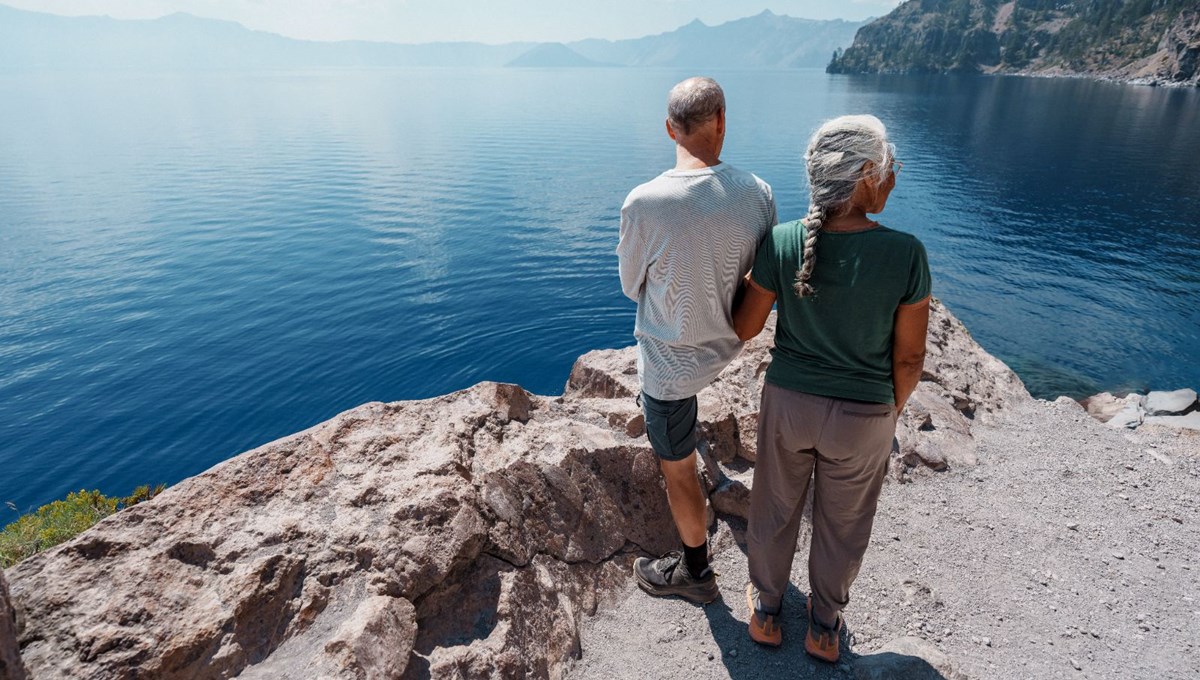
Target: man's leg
[[689, 510], [671, 429]]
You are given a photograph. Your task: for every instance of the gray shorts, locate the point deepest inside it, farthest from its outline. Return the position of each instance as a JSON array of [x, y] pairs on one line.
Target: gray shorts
[[670, 426]]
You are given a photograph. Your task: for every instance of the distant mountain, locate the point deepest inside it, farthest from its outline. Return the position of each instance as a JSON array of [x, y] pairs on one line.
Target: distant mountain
[[767, 40], [37, 41], [1156, 41], [555, 55], [32, 40]]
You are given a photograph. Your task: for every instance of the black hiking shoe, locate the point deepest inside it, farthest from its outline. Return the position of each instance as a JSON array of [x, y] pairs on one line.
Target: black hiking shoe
[[668, 575]]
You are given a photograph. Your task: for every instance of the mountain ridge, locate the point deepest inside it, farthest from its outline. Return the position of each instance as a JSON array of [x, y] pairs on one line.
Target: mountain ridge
[[184, 41]]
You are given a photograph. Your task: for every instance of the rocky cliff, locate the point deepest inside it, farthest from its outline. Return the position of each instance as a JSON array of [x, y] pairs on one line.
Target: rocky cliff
[[1135, 40], [11, 667], [463, 536]]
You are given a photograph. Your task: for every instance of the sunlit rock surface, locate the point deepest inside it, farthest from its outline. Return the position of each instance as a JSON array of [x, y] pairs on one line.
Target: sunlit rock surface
[[467, 535]]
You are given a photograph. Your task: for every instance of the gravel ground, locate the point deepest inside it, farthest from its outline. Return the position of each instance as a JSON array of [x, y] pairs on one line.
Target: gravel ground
[[1071, 551]]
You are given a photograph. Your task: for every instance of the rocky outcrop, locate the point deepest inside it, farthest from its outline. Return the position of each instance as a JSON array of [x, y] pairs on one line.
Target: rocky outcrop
[[1177, 61], [1178, 409], [1150, 43], [462, 536], [11, 667]]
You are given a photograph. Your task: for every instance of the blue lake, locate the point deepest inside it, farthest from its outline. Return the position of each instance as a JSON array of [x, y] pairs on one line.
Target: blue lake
[[193, 265]]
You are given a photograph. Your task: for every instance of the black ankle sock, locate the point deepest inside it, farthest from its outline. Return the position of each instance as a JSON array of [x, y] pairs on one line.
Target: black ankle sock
[[696, 559]]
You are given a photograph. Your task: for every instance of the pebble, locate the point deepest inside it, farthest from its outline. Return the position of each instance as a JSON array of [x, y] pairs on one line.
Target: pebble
[[1073, 526], [987, 642], [1119, 556], [733, 652], [1075, 665]]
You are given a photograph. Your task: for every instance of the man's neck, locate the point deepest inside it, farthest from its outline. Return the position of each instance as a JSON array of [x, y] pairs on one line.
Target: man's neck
[[687, 159]]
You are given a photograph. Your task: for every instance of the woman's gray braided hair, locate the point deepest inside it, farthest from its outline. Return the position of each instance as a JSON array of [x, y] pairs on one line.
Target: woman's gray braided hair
[[835, 158]]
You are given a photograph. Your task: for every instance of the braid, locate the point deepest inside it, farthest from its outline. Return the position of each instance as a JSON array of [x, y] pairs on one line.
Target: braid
[[812, 224]]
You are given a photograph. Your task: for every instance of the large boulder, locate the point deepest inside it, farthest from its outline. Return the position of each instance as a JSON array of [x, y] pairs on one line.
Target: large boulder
[[11, 667], [462, 536], [1169, 403]]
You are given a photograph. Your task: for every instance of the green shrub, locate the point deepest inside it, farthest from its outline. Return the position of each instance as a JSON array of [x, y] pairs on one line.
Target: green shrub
[[63, 520]]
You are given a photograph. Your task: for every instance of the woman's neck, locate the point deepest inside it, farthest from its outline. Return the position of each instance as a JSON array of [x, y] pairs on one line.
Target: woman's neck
[[855, 220]]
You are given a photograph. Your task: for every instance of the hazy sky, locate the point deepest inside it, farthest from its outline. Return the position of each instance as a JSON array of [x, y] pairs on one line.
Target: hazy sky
[[478, 20]]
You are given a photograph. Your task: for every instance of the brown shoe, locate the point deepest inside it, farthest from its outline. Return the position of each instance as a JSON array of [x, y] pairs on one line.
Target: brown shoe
[[822, 642], [764, 629]]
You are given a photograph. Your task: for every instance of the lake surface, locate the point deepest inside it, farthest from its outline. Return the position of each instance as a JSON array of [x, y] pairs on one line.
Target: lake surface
[[191, 266]]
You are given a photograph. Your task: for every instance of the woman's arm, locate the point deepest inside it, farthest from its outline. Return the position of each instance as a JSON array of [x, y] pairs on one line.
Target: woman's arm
[[750, 314], [908, 349]]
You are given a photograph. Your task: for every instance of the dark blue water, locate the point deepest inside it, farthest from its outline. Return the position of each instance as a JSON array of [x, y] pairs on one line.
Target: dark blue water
[[192, 266]]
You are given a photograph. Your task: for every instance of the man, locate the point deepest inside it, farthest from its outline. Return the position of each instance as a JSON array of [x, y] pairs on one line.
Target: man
[[687, 238]]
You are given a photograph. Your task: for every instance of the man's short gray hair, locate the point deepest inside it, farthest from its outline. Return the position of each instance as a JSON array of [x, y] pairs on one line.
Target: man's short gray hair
[[693, 102]]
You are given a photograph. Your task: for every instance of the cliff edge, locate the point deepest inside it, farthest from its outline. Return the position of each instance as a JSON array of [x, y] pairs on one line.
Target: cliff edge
[[1144, 42], [470, 535]]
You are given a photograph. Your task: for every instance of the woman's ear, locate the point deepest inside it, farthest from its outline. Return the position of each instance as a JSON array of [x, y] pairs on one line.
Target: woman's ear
[[869, 173]]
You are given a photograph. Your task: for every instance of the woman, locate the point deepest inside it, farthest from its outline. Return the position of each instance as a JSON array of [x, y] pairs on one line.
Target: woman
[[853, 301]]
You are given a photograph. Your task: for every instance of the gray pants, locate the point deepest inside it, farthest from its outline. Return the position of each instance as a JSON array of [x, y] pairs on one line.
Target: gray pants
[[844, 445]]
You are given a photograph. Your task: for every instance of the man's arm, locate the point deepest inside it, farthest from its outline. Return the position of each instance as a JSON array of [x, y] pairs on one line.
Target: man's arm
[[631, 255], [908, 349]]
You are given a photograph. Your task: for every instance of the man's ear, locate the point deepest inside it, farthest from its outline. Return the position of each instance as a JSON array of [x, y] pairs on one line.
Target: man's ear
[[721, 122], [670, 130]]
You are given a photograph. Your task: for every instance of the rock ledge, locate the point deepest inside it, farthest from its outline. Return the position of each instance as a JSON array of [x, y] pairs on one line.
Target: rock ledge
[[462, 536]]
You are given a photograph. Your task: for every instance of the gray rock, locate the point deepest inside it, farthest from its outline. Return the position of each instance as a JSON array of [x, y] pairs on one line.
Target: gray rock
[[1128, 417], [603, 373], [1189, 422], [11, 667], [1169, 403], [1103, 406], [375, 643], [1070, 404], [732, 497], [907, 657]]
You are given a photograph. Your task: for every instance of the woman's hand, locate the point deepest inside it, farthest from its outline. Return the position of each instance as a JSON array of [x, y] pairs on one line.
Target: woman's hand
[[751, 312]]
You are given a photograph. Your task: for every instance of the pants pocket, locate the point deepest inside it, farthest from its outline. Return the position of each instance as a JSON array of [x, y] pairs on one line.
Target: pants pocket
[[869, 412]]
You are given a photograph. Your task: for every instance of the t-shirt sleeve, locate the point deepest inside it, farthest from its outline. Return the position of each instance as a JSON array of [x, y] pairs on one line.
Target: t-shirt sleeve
[[772, 214], [920, 284], [631, 254], [766, 264]]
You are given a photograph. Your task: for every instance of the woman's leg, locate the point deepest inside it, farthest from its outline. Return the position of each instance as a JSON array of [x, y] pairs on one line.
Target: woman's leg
[[851, 464], [781, 474]]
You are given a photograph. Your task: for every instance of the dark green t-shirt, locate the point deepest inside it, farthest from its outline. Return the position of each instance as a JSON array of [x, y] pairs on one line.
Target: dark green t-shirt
[[838, 342]]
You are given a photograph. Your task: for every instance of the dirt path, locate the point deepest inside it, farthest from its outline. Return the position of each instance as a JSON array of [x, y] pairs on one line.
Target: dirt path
[[1072, 550]]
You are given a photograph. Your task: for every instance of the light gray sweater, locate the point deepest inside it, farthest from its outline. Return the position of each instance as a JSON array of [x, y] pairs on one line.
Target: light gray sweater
[[687, 239]]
